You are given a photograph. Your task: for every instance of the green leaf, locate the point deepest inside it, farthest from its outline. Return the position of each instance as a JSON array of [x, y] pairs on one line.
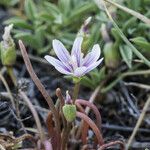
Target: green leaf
[[39, 34], [28, 38], [5, 2], [102, 74], [51, 13], [94, 78], [134, 4], [44, 16], [43, 49], [141, 42], [126, 54], [51, 8], [64, 6], [87, 82], [82, 9], [30, 9], [18, 22]]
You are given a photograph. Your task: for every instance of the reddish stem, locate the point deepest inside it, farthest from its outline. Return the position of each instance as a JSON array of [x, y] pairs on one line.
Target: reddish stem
[[84, 124], [92, 125], [62, 103], [52, 131], [122, 146], [49, 123], [85, 132], [80, 107], [94, 108], [66, 126]]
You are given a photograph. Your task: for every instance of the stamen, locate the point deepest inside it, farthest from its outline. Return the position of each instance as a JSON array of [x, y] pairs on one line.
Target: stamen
[[73, 62], [81, 60]]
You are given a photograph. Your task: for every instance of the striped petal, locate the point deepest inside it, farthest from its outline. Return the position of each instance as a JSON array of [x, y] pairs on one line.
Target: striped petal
[[63, 71], [93, 56], [58, 65], [94, 65], [61, 51], [76, 49]]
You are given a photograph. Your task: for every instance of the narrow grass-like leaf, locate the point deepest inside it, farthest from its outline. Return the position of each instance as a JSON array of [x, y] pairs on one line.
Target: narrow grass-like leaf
[[130, 11], [135, 51]]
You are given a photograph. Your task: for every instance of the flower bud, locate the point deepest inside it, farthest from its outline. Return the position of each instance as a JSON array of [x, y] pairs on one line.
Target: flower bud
[[84, 32], [69, 111], [84, 28], [111, 56], [68, 98], [7, 48]]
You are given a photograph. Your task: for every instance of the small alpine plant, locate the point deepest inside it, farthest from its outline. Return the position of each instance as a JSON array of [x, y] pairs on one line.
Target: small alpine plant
[[69, 108]]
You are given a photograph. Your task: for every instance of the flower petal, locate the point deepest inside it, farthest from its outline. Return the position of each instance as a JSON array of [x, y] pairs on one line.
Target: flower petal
[[61, 51], [94, 65], [80, 71], [93, 56], [76, 49], [57, 64], [63, 71]]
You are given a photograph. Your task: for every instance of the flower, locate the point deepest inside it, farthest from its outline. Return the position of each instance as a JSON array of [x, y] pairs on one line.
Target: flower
[[74, 64]]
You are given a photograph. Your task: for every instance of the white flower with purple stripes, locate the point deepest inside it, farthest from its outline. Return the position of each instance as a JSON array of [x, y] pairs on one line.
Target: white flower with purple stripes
[[74, 64]]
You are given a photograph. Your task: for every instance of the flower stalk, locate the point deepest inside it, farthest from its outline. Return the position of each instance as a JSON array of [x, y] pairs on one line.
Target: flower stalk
[[76, 91], [12, 75]]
